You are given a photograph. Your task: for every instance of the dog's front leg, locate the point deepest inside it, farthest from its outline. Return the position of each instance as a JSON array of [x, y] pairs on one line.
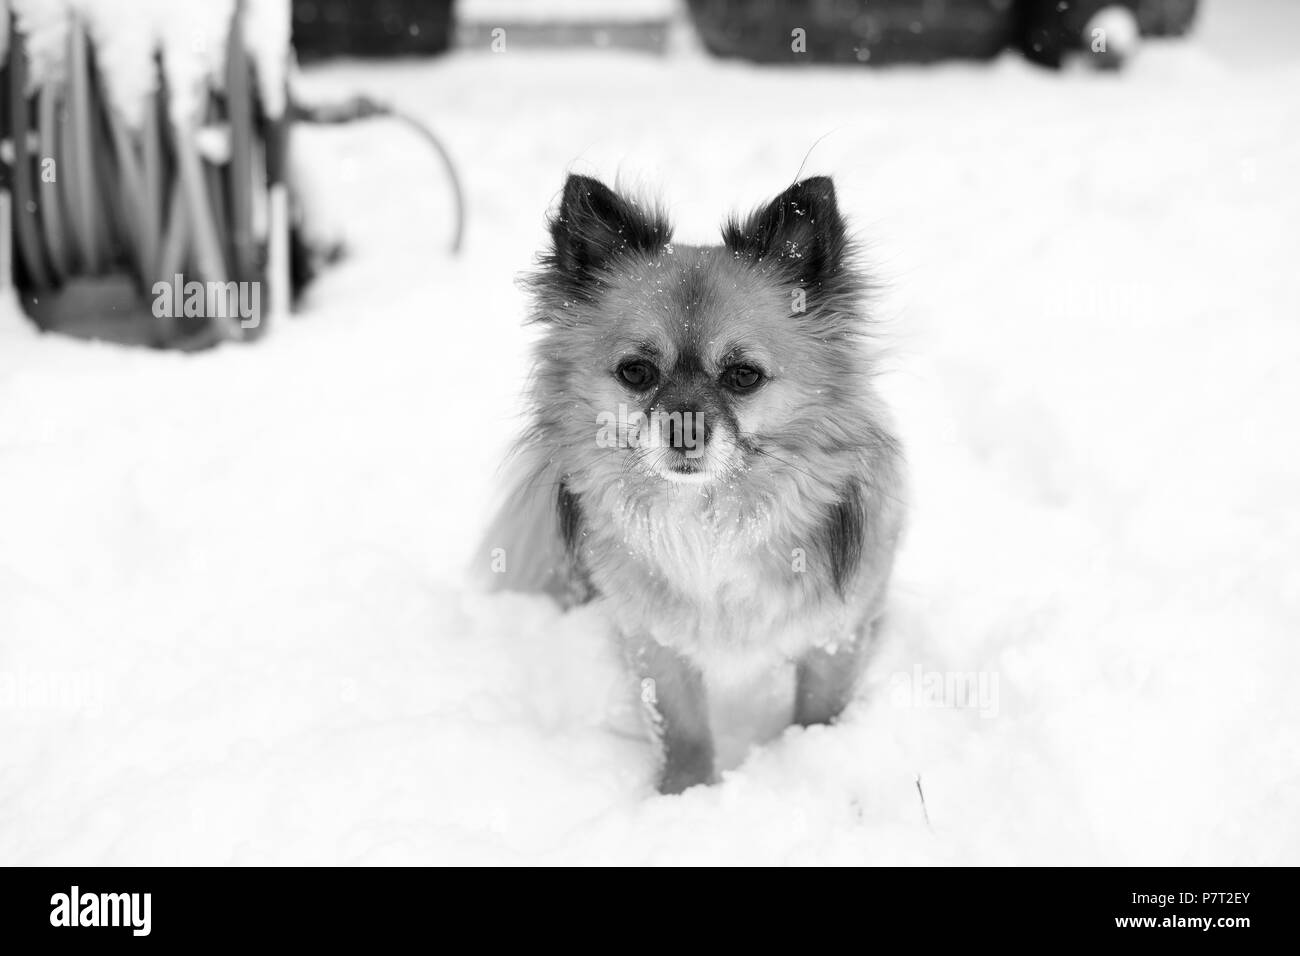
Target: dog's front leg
[[825, 679], [673, 688]]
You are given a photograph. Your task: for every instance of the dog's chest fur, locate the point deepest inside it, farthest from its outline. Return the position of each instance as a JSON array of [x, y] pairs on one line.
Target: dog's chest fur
[[717, 578]]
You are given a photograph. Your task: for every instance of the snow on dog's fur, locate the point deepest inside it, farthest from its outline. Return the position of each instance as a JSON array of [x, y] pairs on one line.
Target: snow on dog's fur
[[720, 553]]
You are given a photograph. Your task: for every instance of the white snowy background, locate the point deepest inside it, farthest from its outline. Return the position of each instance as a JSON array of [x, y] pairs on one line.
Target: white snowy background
[[235, 623]]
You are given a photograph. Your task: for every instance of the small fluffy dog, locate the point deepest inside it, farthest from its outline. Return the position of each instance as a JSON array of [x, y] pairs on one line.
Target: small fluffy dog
[[707, 460]]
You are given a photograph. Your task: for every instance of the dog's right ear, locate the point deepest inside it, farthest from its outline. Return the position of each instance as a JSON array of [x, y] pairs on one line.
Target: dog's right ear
[[800, 230], [595, 225]]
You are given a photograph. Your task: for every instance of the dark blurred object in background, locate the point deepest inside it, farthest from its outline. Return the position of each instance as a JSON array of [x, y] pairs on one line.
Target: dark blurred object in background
[[324, 28], [875, 32], [883, 32], [1050, 29], [878, 32]]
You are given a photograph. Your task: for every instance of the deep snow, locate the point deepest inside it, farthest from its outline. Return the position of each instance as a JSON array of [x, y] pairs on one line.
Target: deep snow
[[234, 623]]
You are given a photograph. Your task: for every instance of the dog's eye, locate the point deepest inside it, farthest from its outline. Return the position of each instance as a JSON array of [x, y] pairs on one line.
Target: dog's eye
[[741, 378], [637, 375]]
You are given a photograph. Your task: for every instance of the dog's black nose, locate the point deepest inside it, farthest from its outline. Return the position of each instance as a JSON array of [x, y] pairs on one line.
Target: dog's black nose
[[687, 429]]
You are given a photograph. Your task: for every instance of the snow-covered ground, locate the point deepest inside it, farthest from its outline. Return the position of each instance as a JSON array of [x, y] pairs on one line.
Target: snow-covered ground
[[234, 619]]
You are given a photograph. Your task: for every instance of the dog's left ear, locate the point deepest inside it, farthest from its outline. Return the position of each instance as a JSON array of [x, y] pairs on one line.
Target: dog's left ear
[[594, 225], [801, 229]]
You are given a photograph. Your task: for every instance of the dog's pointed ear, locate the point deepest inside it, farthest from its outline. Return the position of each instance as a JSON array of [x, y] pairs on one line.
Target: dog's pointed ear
[[801, 230], [594, 224]]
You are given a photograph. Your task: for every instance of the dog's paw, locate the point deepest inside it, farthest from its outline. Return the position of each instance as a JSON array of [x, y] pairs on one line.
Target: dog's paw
[[685, 768]]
